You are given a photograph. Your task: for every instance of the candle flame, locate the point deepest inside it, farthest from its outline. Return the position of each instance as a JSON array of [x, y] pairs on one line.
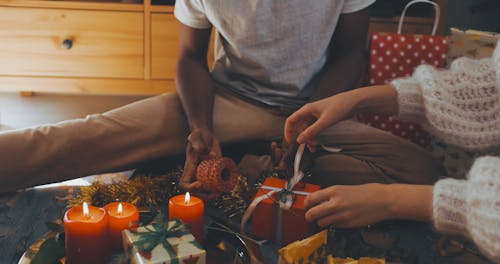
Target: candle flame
[[120, 208], [85, 209], [187, 198]]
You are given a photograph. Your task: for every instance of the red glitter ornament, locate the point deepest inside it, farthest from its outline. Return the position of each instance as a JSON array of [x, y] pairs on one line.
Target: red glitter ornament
[[217, 175]]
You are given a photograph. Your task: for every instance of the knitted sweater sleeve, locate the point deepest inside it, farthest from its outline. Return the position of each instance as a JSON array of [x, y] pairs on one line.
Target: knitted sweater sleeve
[[472, 207], [461, 106]]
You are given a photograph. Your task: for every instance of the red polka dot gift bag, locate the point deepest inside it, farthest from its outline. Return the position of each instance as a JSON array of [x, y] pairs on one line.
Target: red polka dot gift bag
[[395, 55]]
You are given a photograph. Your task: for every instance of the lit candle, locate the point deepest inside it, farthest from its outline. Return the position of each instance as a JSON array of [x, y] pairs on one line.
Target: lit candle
[[190, 210], [121, 216], [86, 232]]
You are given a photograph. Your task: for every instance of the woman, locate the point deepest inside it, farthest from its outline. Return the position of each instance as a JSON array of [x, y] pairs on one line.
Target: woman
[[460, 106]]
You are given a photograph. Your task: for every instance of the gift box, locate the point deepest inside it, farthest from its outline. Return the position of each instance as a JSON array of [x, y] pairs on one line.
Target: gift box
[[293, 225], [314, 249], [471, 43], [170, 242]]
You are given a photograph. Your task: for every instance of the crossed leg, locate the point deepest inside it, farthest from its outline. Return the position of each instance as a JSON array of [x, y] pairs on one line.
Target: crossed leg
[[119, 139], [371, 155]]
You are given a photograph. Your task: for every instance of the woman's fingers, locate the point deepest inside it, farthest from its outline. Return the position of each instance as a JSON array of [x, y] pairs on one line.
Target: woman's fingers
[[297, 122], [321, 210], [349, 206], [312, 131], [320, 196], [337, 219]]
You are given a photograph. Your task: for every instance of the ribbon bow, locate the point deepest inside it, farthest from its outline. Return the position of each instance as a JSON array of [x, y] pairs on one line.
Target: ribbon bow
[[159, 234], [285, 201]]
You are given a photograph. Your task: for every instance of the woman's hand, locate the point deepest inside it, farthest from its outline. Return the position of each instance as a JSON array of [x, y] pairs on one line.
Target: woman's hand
[[202, 145], [306, 123], [349, 206]]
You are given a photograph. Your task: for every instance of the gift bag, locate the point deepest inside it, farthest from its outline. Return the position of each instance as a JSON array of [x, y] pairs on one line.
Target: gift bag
[[395, 55]]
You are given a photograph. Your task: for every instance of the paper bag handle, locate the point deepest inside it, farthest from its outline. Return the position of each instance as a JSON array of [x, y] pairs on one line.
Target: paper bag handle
[[436, 18]]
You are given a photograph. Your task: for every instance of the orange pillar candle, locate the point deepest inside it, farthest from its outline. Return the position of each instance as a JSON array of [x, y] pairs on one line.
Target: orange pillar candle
[[190, 210], [121, 216], [86, 234]]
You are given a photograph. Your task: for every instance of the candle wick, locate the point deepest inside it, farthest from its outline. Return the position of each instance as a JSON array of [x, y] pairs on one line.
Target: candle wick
[[85, 209], [120, 209]]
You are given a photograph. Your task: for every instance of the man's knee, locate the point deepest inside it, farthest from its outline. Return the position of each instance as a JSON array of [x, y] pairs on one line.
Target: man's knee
[[392, 163]]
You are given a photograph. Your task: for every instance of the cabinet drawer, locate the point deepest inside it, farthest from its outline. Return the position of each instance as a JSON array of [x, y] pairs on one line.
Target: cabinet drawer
[[164, 45], [97, 43]]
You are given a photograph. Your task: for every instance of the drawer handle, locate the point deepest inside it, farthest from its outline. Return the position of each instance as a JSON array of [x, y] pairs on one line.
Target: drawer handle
[[67, 43]]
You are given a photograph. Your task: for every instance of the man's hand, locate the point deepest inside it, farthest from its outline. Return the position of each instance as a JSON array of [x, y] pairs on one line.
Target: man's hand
[[202, 145]]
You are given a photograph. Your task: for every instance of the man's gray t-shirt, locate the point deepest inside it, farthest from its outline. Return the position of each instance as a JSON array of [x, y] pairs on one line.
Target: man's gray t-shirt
[[268, 50]]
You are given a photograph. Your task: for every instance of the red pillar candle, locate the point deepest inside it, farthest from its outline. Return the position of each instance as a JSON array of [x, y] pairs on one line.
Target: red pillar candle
[[86, 232], [190, 210], [121, 216]]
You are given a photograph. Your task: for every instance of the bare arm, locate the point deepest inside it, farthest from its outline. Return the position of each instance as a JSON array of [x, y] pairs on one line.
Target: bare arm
[[346, 59], [196, 92], [193, 82]]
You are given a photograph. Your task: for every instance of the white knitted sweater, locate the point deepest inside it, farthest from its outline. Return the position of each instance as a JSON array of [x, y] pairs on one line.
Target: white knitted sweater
[[461, 106]]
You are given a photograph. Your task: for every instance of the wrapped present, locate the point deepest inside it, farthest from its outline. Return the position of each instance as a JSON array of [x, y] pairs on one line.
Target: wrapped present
[[168, 242], [333, 260], [471, 43], [309, 250], [314, 249], [266, 222]]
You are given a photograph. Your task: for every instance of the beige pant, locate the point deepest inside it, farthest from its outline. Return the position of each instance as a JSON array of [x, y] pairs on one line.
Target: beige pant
[[156, 127]]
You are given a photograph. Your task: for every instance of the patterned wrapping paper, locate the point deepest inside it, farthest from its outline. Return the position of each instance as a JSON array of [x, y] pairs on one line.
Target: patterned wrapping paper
[[307, 250], [471, 43], [314, 249], [179, 246]]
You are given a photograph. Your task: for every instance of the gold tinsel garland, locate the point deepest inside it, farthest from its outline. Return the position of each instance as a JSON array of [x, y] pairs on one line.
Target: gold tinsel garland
[[235, 203], [146, 192]]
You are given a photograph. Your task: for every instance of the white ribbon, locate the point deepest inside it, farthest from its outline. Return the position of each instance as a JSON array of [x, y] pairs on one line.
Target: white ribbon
[[436, 17], [297, 177]]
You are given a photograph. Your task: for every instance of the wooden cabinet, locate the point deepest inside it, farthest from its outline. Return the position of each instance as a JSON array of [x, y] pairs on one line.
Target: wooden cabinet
[[164, 45], [95, 47], [73, 43]]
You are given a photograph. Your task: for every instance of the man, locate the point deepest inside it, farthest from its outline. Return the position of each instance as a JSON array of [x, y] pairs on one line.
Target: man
[[274, 54], [272, 57]]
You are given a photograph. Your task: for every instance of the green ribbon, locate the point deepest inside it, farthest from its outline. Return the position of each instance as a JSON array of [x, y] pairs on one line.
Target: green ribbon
[[159, 234]]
